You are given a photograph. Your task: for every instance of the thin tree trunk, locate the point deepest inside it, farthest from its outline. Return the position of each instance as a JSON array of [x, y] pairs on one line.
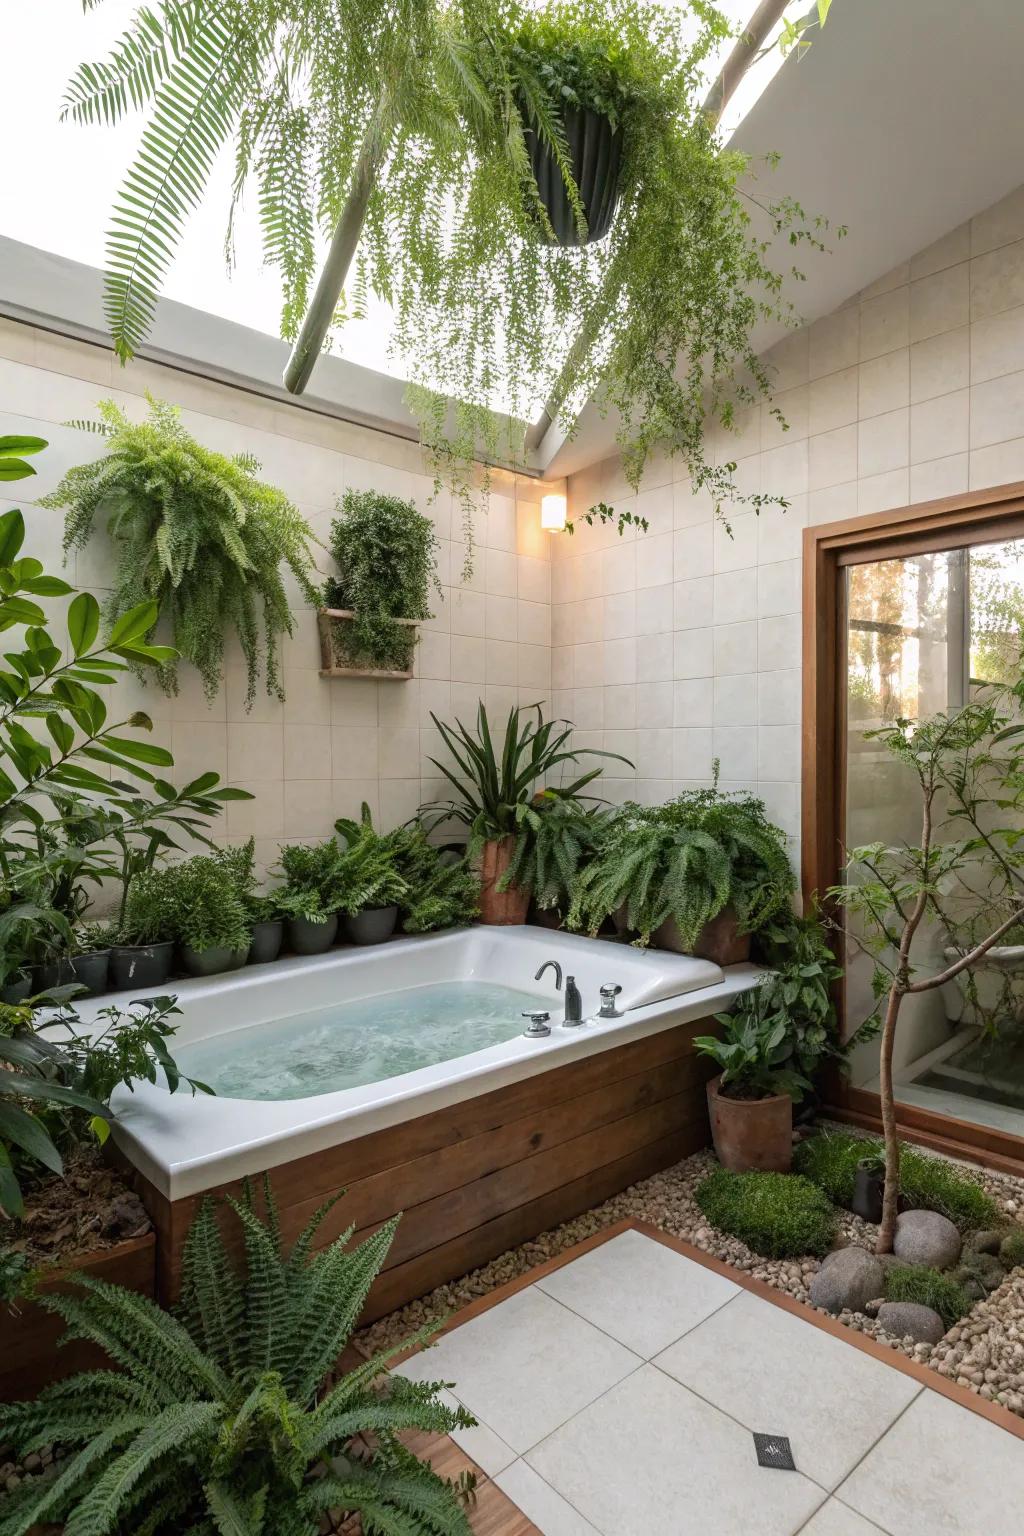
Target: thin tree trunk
[[890, 1199], [897, 992]]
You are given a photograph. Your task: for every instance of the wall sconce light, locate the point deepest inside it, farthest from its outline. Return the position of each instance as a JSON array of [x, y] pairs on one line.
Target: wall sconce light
[[552, 512]]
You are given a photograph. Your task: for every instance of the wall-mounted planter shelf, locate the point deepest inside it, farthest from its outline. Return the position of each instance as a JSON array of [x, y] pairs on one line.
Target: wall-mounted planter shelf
[[326, 618]]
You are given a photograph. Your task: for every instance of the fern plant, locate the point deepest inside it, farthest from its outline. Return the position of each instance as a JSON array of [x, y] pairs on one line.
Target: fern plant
[[412, 139], [368, 874], [687, 860], [198, 534], [313, 885], [386, 553], [219, 1421], [557, 837], [435, 889]]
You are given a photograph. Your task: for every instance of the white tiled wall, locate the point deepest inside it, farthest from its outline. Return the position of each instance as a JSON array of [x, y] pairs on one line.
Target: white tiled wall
[[334, 742], [683, 644]]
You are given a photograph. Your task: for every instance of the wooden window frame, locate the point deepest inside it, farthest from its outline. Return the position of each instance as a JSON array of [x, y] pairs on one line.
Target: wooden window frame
[[828, 548]]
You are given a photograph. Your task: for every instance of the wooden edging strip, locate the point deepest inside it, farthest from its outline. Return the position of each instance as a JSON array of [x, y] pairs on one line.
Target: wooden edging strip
[[924, 1374]]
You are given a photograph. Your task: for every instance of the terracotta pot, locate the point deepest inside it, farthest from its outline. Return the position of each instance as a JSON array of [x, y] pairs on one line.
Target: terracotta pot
[[496, 906], [751, 1133], [718, 940]]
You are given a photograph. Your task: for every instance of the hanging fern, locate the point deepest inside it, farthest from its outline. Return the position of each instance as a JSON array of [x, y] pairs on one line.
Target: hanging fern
[[492, 320], [218, 1420], [197, 533]]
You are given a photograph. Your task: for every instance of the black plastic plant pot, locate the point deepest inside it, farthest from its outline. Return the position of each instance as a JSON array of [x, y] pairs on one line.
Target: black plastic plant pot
[[267, 938], [55, 973], [595, 148], [91, 971], [17, 991], [868, 1190], [211, 962], [372, 926], [140, 965], [308, 938]]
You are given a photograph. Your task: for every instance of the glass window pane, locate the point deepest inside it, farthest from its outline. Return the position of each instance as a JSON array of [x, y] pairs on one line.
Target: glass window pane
[[926, 634]]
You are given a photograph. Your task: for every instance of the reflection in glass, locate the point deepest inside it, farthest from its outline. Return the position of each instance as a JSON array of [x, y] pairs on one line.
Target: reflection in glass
[[924, 634]]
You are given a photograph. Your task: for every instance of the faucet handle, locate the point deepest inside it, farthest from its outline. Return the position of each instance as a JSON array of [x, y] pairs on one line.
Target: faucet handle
[[609, 992], [538, 1024]]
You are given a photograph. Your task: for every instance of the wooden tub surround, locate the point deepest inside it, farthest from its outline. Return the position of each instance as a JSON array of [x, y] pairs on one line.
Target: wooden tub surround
[[488, 1173]]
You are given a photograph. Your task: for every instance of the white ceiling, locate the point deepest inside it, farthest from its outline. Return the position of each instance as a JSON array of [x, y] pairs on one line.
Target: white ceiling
[[903, 119]]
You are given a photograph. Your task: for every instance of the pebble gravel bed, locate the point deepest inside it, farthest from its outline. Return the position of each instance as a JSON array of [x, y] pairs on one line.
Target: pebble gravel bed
[[984, 1352]]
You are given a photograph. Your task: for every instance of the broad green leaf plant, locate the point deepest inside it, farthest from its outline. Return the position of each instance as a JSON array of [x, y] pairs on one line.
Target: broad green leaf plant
[[69, 774], [196, 534], [410, 119], [220, 1420]]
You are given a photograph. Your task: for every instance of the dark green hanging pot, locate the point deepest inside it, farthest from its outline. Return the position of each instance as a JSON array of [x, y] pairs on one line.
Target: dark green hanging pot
[[595, 148]]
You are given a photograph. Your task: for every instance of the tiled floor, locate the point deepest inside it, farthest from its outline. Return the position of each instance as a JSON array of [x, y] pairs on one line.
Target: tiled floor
[[616, 1397]]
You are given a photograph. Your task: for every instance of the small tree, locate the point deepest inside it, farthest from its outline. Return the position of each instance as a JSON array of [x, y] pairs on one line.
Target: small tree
[[965, 876]]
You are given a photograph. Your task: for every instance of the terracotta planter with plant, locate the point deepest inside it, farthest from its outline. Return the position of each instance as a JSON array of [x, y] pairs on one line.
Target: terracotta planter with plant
[[526, 830], [501, 901], [751, 1133], [750, 1105], [698, 875]]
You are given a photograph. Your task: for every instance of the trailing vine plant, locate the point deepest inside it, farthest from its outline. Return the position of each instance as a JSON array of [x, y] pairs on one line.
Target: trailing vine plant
[[413, 119], [386, 553], [198, 534]]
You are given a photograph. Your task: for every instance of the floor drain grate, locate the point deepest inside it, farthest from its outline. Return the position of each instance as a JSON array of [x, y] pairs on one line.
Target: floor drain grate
[[774, 1451]]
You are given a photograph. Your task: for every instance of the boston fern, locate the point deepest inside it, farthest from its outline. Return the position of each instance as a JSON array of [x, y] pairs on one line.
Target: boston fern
[[442, 94], [556, 839], [198, 534], [386, 553], [434, 889], [218, 1421], [686, 860]]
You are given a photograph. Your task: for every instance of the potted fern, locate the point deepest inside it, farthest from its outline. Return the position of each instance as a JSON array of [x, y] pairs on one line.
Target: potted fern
[[230, 1414], [698, 875], [496, 792], [143, 950], [208, 915], [369, 880], [309, 898]]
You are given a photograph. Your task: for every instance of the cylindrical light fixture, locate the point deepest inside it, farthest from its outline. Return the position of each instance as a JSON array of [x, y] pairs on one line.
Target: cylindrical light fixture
[[552, 511]]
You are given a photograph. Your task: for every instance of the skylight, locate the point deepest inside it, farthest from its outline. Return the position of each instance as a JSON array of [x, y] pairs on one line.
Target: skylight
[[68, 177]]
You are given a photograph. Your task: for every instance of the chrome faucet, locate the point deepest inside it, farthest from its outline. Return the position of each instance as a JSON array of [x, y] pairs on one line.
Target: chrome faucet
[[557, 970]]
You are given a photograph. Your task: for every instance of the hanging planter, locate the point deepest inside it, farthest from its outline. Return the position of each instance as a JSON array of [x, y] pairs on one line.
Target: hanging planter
[[595, 148], [334, 656]]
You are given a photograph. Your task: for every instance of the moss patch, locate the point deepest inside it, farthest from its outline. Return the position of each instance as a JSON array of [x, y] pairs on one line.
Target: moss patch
[[928, 1183], [779, 1215], [928, 1288]]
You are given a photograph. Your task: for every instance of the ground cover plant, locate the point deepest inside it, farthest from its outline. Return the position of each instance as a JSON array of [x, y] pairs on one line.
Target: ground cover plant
[[219, 1420], [197, 534], [830, 1161], [780, 1215], [927, 1288]]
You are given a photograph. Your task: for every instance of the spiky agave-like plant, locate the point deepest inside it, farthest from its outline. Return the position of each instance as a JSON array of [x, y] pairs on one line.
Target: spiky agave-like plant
[[217, 1422]]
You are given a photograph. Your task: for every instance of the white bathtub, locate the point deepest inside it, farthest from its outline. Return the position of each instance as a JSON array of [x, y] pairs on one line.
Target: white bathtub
[[185, 1144]]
